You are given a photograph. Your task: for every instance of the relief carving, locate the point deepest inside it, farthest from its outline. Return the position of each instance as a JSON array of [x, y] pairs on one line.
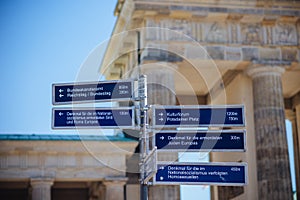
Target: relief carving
[[216, 32], [221, 32], [180, 28], [286, 34], [251, 33]]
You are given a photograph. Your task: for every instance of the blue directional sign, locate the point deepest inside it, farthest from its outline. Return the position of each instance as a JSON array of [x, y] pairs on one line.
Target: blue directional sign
[[226, 140], [176, 116], [68, 118], [229, 174], [95, 91]]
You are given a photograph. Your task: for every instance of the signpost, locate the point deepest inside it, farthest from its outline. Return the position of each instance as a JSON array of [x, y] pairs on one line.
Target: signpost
[[227, 174], [226, 140], [68, 118], [175, 116], [96, 91], [172, 117]]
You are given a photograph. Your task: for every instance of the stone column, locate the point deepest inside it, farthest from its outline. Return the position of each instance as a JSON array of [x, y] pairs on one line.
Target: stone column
[[273, 169], [41, 188], [113, 189], [161, 91]]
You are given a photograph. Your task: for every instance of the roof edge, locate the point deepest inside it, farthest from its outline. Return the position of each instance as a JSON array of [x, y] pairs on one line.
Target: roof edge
[[63, 137]]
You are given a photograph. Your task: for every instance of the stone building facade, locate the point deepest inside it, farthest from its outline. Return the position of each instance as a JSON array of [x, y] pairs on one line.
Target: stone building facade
[[220, 52], [45, 167]]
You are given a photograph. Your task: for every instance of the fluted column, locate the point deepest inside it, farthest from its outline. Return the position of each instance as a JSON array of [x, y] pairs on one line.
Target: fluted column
[[41, 188], [273, 171], [161, 91]]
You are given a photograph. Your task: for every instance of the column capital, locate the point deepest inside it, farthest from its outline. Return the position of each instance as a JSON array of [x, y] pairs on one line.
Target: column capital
[[41, 188], [290, 115], [262, 70], [110, 181], [41, 182]]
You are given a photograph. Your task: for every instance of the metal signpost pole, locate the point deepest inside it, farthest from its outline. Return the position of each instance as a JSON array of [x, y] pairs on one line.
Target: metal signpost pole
[[144, 143], [144, 146]]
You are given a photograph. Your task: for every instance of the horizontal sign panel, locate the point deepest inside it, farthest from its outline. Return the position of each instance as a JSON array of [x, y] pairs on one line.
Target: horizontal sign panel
[[176, 116], [226, 140], [149, 165], [229, 174], [96, 91], [68, 118]]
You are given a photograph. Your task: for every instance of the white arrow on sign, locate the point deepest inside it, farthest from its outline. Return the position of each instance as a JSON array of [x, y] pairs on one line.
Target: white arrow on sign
[[60, 90], [60, 113], [161, 119], [162, 137], [161, 114], [61, 95]]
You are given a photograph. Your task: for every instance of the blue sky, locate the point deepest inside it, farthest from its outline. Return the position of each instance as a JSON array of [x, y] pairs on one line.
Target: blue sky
[[44, 42]]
